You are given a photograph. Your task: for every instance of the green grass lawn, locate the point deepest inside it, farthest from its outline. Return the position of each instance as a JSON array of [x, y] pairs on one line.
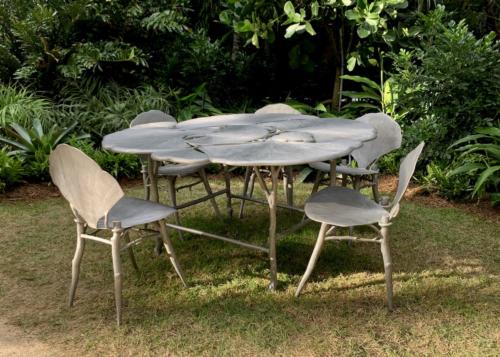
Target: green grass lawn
[[447, 289]]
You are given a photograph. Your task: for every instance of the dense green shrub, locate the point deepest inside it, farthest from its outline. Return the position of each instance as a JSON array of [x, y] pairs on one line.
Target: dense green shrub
[[34, 145], [437, 177], [11, 169], [448, 86], [19, 105], [480, 160], [118, 165], [100, 110]]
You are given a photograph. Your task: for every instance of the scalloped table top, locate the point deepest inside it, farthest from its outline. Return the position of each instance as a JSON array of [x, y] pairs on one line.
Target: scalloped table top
[[245, 139]]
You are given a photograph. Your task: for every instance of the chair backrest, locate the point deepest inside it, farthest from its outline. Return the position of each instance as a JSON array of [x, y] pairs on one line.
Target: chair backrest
[[388, 139], [277, 108], [89, 190], [152, 116], [406, 170]]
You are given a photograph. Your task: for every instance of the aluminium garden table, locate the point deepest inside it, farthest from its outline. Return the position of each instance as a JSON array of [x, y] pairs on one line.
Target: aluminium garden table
[[251, 140]]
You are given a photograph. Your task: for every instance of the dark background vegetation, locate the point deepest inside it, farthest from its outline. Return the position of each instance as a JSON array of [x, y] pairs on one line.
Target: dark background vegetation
[[77, 70]]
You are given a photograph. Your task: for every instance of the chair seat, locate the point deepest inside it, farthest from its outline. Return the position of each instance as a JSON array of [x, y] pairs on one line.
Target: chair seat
[[180, 169], [132, 211], [343, 207], [342, 169]]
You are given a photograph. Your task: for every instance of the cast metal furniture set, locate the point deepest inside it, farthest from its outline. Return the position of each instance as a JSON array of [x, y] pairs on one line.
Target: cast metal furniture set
[[272, 140]]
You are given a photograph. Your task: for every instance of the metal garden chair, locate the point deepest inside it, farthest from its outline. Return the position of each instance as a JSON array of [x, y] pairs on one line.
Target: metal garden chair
[[172, 171], [249, 181], [366, 173], [344, 207], [98, 202]]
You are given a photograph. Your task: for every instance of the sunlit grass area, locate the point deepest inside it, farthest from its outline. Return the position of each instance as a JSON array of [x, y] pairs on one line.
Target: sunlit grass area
[[446, 287]]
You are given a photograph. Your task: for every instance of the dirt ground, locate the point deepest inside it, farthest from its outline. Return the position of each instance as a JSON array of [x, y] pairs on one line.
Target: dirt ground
[[14, 342]]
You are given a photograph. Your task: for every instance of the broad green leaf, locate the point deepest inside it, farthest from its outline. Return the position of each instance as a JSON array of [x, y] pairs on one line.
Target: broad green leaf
[[22, 133], [351, 63], [467, 139], [359, 79], [225, 17], [292, 29], [489, 131], [362, 105], [320, 107], [255, 40], [348, 2], [310, 29], [15, 144], [37, 127], [468, 167], [63, 134], [289, 9], [360, 95], [363, 31], [483, 178], [315, 8], [352, 15]]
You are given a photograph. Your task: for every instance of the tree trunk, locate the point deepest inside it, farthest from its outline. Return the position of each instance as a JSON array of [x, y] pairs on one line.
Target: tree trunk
[[336, 88]]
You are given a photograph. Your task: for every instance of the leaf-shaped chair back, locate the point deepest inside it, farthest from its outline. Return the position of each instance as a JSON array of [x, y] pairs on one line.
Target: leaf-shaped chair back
[[277, 108], [388, 139], [89, 190], [406, 170], [152, 116]]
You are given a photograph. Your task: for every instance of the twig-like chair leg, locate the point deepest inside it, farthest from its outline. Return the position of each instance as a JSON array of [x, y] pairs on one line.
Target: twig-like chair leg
[[117, 269], [131, 253], [77, 259], [248, 172], [386, 255], [203, 177], [173, 199], [317, 181], [376, 193], [170, 251], [314, 258]]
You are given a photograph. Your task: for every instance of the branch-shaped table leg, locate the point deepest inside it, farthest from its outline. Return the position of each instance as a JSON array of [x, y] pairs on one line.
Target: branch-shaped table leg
[[227, 179], [153, 181], [271, 195]]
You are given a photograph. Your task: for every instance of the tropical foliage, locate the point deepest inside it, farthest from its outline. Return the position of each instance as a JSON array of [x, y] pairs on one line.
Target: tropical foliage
[[93, 65], [480, 158]]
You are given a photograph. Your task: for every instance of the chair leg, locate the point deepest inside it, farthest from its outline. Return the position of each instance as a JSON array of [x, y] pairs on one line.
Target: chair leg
[[314, 258], [317, 181], [386, 255], [376, 193], [77, 259], [117, 269], [248, 172], [203, 177], [131, 253], [173, 199], [170, 251]]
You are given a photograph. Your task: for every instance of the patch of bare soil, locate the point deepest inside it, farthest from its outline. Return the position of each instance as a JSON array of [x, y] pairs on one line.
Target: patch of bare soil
[[29, 192], [14, 342]]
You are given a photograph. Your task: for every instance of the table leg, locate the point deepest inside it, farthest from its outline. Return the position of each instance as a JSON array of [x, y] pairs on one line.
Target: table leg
[[228, 191], [153, 181], [333, 172], [271, 195], [288, 182]]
